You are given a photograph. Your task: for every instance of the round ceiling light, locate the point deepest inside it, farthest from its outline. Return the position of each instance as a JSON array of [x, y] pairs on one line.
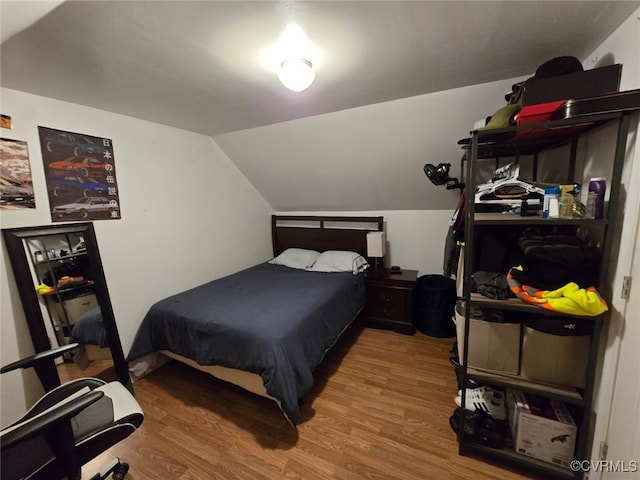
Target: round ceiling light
[[296, 74]]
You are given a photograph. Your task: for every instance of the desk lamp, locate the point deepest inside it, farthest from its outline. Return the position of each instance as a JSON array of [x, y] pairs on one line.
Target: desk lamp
[[376, 247]]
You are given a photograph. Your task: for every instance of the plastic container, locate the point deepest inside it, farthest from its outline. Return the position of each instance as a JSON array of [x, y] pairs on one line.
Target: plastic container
[[537, 113], [595, 197], [550, 202]]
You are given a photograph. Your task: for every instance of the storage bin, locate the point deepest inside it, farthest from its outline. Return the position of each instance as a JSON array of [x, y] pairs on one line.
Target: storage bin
[[435, 299], [556, 351], [460, 273], [75, 307], [493, 346]]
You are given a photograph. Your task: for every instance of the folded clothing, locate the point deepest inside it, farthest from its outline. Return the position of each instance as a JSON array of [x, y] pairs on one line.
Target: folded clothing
[[481, 313], [492, 284]]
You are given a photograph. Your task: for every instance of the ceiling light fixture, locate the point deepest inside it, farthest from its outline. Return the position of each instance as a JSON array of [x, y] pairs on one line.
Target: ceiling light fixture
[[296, 74]]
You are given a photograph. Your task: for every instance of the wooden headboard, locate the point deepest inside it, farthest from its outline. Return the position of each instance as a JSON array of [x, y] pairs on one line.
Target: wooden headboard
[[323, 233]]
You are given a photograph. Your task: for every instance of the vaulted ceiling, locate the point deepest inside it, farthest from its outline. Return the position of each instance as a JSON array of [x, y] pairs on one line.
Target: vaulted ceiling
[[196, 65]]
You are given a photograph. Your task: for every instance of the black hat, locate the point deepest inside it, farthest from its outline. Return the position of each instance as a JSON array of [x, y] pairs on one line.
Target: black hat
[[550, 68], [558, 66]]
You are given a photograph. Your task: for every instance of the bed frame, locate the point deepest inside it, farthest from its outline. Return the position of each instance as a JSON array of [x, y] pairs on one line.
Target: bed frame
[[323, 233], [319, 233]]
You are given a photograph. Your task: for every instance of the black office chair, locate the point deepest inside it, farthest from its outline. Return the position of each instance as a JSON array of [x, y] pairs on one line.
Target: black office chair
[[67, 427]]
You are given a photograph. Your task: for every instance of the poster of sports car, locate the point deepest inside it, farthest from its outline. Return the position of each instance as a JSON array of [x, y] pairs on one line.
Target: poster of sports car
[[16, 188], [81, 176]]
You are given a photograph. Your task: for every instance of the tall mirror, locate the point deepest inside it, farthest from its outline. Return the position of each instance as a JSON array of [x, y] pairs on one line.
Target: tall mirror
[[64, 295]]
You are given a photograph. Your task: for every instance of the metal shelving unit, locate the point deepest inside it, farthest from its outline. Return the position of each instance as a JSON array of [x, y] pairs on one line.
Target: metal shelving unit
[[49, 253], [515, 142]]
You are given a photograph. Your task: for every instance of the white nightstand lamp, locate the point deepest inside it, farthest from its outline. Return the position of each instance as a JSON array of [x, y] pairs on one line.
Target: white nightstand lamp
[[376, 246]]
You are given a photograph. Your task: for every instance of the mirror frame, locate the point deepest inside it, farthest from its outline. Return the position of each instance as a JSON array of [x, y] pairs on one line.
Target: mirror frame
[[14, 240]]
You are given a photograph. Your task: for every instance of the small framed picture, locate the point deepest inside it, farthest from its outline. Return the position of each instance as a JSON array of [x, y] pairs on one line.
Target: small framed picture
[[16, 186]]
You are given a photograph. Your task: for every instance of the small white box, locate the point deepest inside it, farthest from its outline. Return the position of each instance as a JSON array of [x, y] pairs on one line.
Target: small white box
[[542, 428], [493, 346]]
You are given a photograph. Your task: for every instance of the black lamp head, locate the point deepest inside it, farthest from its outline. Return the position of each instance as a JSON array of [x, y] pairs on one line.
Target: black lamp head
[[439, 175]]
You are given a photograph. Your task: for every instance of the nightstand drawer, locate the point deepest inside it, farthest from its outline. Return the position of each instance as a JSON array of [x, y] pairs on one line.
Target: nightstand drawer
[[389, 301], [386, 302]]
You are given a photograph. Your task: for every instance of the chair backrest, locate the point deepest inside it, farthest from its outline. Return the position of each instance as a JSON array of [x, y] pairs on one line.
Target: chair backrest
[[69, 426]]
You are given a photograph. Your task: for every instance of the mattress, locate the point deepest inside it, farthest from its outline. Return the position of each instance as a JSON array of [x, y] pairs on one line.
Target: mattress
[[271, 320]]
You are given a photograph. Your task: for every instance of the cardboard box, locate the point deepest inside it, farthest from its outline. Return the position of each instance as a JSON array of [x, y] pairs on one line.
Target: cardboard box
[[542, 428], [493, 346]]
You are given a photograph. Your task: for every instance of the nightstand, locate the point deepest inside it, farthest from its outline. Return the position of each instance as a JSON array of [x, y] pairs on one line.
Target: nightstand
[[389, 301]]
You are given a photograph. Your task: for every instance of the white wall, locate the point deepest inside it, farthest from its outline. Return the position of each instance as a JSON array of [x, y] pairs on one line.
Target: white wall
[[620, 47], [368, 157], [397, 138], [188, 215]]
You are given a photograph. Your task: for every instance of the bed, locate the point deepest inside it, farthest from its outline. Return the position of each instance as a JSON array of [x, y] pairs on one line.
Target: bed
[[89, 329], [265, 328]]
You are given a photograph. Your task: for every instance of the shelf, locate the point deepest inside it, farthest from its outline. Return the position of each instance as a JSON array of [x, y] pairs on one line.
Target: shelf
[[515, 304], [514, 142], [66, 257], [496, 218], [533, 138], [511, 457], [566, 394], [70, 289]]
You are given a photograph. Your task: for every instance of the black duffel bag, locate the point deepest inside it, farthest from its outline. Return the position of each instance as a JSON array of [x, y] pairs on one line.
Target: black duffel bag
[[551, 261]]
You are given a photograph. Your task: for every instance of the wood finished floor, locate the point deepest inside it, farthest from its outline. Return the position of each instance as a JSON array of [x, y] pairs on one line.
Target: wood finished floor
[[379, 410]]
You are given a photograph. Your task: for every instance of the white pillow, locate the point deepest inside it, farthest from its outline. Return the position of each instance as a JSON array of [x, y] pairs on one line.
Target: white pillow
[[340, 261], [296, 258]]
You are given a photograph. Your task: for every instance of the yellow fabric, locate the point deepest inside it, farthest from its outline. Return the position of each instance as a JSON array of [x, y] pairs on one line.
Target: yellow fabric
[[569, 299], [575, 300]]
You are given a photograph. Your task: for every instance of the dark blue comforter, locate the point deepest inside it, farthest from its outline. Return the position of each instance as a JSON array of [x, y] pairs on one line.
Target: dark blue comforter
[[89, 329], [271, 320]]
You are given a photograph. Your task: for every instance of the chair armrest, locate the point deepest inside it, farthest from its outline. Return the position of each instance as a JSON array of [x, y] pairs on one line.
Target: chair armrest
[[38, 357], [50, 419]]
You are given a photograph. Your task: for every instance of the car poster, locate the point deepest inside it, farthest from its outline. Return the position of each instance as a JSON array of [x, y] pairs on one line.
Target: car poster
[[81, 176], [16, 187]]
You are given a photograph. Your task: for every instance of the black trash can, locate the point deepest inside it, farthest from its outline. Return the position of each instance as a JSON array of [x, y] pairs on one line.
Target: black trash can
[[435, 300]]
